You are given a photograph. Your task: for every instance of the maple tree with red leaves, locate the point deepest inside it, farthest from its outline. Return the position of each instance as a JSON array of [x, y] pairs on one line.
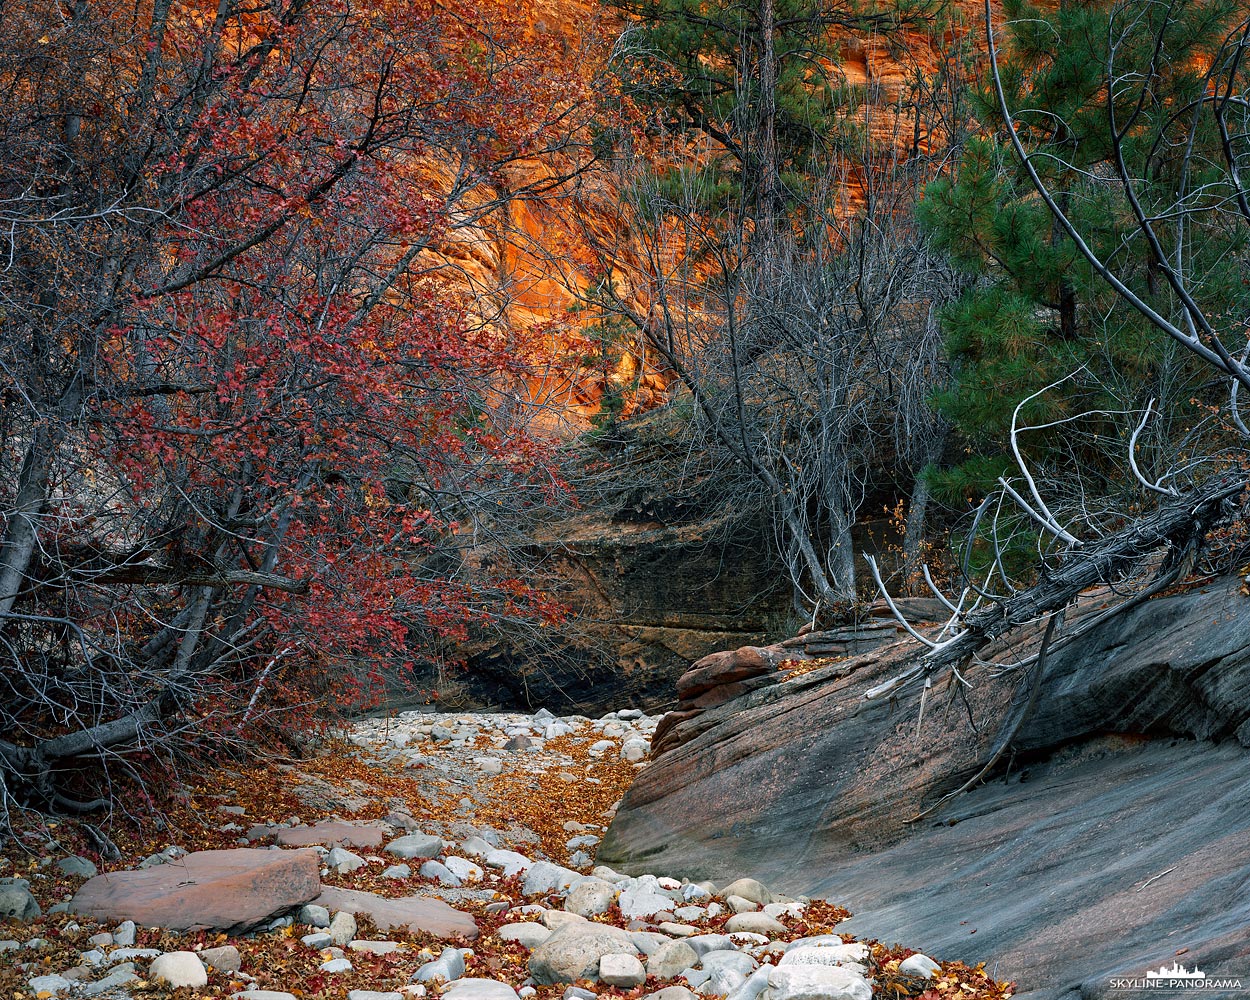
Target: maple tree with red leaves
[[247, 423]]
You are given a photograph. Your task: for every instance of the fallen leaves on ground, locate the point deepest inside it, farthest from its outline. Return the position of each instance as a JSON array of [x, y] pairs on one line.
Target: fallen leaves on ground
[[365, 785]]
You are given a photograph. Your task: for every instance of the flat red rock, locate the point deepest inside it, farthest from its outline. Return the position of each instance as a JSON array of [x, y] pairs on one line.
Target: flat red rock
[[329, 834], [415, 913], [208, 890]]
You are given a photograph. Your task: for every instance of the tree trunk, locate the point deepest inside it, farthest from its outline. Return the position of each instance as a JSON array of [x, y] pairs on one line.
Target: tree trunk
[[913, 536]]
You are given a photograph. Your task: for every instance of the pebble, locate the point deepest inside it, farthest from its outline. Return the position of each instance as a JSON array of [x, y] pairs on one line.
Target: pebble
[[178, 968], [748, 888], [336, 965], [463, 869], [739, 961], [543, 877], [590, 897], [224, 959], [76, 865], [479, 989], [673, 929], [528, 935], [449, 966], [847, 954], [262, 995], [343, 861], [621, 970], [415, 845], [755, 923], [16, 902], [317, 940], [373, 995], [671, 959], [124, 934], [115, 980], [918, 965], [375, 947], [394, 871], [313, 915], [671, 993], [509, 862], [817, 982], [342, 928], [49, 984], [439, 872]]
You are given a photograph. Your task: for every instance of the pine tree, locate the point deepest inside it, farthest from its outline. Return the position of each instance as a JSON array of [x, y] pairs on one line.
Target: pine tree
[[1034, 311]]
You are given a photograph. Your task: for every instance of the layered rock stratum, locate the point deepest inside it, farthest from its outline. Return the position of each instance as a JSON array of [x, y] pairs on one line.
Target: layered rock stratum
[[1112, 837]]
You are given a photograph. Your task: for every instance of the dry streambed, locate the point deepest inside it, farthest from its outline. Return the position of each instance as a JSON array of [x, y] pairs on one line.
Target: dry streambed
[[426, 856]]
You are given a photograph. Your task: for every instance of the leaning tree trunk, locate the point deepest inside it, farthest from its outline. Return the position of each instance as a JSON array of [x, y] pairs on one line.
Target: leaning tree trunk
[[1178, 524]]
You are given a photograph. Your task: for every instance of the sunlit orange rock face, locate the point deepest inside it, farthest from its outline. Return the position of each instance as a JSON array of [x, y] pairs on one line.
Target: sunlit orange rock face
[[533, 264]]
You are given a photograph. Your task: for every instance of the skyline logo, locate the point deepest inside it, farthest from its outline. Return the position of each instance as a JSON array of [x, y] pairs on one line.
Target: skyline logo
[[1176, 978], [1177, 971]]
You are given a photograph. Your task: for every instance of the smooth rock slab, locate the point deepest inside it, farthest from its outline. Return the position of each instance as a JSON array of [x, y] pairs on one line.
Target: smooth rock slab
[[326, 834], [207, 890], [415, 913]]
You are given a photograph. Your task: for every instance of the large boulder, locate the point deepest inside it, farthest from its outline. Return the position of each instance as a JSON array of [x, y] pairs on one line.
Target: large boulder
[[208, 890], [416, 914], [1133, 764]]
